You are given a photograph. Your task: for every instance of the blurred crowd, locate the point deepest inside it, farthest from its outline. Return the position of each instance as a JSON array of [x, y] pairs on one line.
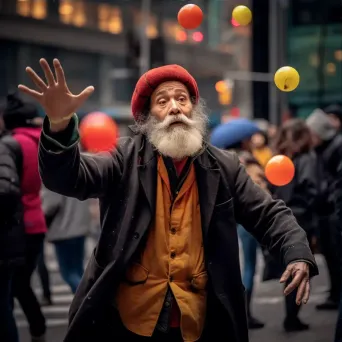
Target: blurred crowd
[[30, 216], [315, 147], [36, 215]]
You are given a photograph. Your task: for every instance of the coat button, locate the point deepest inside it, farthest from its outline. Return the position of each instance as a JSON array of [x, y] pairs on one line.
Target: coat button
[[136, 235], [173, 231], [173, 255]]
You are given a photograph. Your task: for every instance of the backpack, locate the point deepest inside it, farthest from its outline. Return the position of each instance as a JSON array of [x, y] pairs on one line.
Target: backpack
[[11, 165]]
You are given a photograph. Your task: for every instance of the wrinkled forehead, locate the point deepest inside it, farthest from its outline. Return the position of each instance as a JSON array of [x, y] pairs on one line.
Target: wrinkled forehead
[[170, 87]]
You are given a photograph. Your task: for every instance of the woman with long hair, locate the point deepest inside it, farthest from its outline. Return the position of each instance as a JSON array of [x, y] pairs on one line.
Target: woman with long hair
[[294, 141]]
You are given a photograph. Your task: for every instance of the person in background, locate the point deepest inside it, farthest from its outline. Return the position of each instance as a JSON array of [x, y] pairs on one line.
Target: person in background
[[261, 151], [44, 277], [334, 112], [338, 202], [2, 124], [69, 222], [23, 121], [236, 136], [294, 141], [12, 231], [249, 243], [328, 143]]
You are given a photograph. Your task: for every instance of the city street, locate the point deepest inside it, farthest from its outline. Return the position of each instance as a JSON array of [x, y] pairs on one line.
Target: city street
[[268, 306]]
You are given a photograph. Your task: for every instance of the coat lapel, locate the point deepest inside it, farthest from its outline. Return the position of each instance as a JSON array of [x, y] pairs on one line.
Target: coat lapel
[[208, 180], [147, 168]]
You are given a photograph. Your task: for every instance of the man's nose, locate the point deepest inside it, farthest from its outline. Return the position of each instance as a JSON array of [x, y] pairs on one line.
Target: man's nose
[[174, 107]]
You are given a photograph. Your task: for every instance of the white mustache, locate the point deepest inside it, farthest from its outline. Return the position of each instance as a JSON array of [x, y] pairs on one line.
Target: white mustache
[[170, 119]]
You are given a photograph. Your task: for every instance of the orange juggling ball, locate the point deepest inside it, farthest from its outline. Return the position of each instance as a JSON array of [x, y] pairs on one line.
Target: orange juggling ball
[[190, 16], [280, 170]]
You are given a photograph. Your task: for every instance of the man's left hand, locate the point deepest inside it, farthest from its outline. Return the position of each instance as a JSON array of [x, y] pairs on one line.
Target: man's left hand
[[299, 271]]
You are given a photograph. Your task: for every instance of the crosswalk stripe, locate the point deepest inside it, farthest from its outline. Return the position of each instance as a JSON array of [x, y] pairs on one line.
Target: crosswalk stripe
[[50, 323], [55, 289], [60, 322], [57, 314], [53, 309]]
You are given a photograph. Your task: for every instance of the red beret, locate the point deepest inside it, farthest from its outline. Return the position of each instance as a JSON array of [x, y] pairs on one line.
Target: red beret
[[149, 81]]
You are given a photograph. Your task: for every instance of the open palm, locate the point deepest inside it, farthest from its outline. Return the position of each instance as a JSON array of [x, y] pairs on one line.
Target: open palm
[[54, 95]]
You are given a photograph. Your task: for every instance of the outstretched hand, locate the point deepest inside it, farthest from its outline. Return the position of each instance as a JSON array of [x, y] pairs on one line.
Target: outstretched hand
[[54, 95], [299, 271]]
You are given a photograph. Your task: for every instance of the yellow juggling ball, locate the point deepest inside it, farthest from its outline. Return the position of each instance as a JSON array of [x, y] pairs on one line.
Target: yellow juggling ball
[[242, 15], [287, 78]]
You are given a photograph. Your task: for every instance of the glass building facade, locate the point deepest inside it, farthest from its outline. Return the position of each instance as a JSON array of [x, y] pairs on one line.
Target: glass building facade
[[315, 50]]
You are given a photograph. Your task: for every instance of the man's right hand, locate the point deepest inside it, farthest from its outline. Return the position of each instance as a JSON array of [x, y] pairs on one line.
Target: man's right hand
[[54, 95]]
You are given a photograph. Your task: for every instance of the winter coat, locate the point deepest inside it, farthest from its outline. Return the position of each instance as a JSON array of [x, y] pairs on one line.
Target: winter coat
[[125, 183]]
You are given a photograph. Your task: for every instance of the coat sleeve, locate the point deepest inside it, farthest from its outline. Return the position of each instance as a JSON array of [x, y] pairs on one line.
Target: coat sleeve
[[270, 222], [68, 172]]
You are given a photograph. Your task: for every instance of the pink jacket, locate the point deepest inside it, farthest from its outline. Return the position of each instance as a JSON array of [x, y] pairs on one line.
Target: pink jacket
[[34, 219]]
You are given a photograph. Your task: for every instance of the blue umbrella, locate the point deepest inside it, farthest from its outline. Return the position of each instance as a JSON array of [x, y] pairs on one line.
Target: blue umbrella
[[233, 132]]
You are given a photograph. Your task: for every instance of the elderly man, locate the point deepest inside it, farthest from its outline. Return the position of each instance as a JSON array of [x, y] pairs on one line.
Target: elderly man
[[166, 267]]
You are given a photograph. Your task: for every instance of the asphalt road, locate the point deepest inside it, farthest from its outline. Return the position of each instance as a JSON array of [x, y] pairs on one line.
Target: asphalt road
[[268, 306]]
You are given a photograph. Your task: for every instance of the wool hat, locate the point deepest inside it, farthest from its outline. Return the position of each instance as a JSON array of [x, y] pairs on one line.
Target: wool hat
[[320, 124], [18, 113], [149, 82], [334, 109]]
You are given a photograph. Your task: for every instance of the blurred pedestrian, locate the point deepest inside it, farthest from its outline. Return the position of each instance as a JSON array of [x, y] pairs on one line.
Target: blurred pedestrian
[[334, 112], [44, 278], [294, 141], [328, 144], [69, 224], [250, 245], [23, 121], [237, 136], [12, 231], [261, 151]]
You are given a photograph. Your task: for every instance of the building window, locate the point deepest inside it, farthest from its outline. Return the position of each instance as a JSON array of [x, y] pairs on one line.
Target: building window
[[36, 9], [109, 19], [151, 29], [73, 12], [172, 30]]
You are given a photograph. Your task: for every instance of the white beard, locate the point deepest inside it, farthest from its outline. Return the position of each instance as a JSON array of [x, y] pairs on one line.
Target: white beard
[[181, 141]]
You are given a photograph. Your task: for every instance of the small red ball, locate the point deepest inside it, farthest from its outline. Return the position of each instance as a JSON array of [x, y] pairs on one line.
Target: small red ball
[[190, 16], [98, 132]]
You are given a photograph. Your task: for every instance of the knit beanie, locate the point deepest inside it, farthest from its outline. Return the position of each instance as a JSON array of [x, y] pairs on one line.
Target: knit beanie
[[320, 124], [18, 113], [334, 109], [149, 81]]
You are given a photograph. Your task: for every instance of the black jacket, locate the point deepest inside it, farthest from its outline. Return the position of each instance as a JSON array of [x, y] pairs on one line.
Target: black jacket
[[301, 194], [329, 156], [125, 182], [12, 231]]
